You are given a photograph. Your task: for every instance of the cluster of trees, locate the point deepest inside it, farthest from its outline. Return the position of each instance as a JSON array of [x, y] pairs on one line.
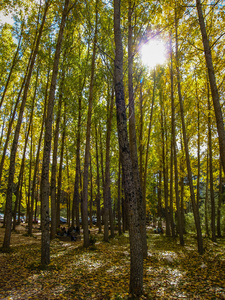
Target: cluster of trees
[[63, 66]]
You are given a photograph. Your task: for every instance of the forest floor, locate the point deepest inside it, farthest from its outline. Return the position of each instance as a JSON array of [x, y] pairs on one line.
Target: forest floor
[[102, 271]]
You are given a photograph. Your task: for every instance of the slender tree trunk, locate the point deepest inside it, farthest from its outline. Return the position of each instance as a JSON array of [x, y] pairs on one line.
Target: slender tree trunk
[[55, 215], [159, 188], [180, 229], [198, 151], [31, 207], [99, 223], [119, 199], [29, 210], [107, 196], [20, 176], [45, 241], [164, 162], [148, 141], [88, 135], [213, 208], [3, 128], [69, 191], [59, 194], [171, 190], [91, 193], [38, 153], [76, 198], [213, 85], [219, 204], [182, 161], [141, 148], [136, 252], [133, 139], [206, 198], [194, 206], [7, 237]]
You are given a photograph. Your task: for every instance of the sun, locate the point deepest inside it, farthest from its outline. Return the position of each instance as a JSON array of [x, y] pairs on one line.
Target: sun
[[153, 53]]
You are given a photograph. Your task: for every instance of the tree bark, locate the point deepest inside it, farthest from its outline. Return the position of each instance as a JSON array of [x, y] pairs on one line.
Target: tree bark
[[136, 253], [219, 204], [180, 229], [59, 194], [55, 214], [107, 194], [133, 139], [148, 141], [45, 240], [36, 167], [164, 164], [119, 198], [213, 208], [206, 197], [88, 135], [99, 223]]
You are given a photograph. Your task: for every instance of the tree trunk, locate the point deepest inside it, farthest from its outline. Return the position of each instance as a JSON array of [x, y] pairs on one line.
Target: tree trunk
[[133, 139], [171, 191], [141, 148], [76, 198], [164, 162], [107, 194], [148, 141], [21, 175], [213, 85], [182, 162], [36, 167], [119, 199], [180, 229], [136, 253], [91, 194], [194, 206], [59, 194], [31, 208], [69, 191], [45, 240], [206, 198], [99, 223], [88, 135], [219, 204], [213, 209], [54, 209]]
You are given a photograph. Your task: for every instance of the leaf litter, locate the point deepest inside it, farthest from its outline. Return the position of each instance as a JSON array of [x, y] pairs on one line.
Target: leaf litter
[[102, 272]]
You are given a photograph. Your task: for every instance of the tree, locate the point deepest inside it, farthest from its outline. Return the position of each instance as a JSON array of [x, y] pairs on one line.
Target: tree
[[213, 84], [194, 206], [107, 194], [45, 240], [88, 134], [133, 139], [136, 267]]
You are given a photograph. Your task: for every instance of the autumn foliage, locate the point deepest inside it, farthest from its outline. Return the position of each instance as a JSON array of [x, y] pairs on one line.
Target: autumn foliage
[[102, 271]]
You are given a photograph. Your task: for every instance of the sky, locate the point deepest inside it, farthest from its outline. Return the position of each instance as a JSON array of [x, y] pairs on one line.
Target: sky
[[5, 19]]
